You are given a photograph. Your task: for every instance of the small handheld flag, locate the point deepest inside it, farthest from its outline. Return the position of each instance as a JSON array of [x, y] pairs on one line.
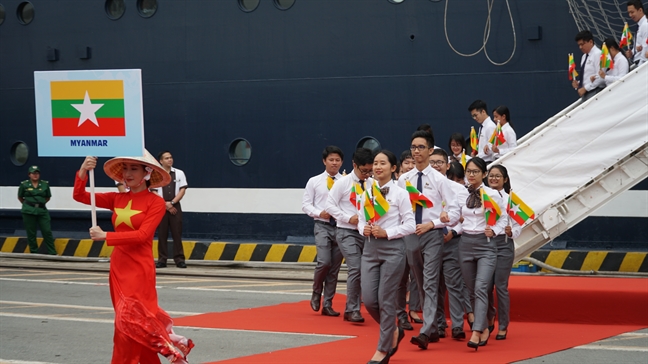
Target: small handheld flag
[[606, 61], [492, 211], [369, 210], [463, 158], [518, 210], [626, 37], [498, 136], [416, 197], [380, 204], [353, 196], [474, 140], [572, 68]]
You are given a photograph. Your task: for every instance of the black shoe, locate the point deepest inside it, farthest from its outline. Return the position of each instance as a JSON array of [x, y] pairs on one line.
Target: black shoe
[[385, 360], [414, 320], [491, 328], [160, 265], [458, 333], [354, 316], [316, 301], [442, 332], [328, 311], [483, 343], [181, 265], [422, 341], [404, 323], [501, 337], [472, 344], [434, 337], [401, 335]]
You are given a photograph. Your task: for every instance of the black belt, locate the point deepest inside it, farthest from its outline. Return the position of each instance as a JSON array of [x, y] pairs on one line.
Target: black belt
[[35, 204]]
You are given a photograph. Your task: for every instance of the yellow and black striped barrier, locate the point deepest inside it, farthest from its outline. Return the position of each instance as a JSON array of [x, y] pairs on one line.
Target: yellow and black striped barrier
[[257, 252]]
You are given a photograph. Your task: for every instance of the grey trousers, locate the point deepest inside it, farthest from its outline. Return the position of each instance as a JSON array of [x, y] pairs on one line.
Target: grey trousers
[[453, 282], [477, 258], [383, 264], [329, 260], [407, 283], [424, 254], [351, 244], [503, 265]]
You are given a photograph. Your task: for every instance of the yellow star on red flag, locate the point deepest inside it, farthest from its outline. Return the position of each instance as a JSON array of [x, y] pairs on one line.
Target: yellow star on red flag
[[124, 215]]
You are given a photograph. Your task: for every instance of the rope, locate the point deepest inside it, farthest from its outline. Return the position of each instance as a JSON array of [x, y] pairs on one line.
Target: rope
[[487, 29], [581, 272]]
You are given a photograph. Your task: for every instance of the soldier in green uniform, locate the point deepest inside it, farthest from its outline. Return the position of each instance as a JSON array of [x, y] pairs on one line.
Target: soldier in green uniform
[[34, 193]]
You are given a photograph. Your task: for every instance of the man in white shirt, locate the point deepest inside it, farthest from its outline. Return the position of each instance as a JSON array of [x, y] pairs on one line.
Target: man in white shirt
[[424, 248], [172, 194], [342, 204], [486, 127], [589, 66], [636, 12], [329, 256], [621, 65]]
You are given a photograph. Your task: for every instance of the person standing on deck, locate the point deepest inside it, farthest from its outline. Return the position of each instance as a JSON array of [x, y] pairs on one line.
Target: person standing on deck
[[33, 194], [478, 112]]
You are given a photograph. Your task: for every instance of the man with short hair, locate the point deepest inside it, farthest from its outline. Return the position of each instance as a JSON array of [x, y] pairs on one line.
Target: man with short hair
[[621, 66], [343, 204], [329, 256], [589, 66], [424, 247], [172, 194], [486, 127], [34, 193], [637, 14]]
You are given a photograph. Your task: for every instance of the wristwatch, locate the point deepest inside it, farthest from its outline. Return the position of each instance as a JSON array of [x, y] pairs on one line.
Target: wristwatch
[[454, 233], [172, 203]]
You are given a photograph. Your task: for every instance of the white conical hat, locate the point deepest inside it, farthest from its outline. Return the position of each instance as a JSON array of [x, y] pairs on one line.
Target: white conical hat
[[159, 177]]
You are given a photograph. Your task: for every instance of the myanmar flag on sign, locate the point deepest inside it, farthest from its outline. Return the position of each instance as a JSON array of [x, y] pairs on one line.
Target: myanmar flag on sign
[[88, 108]]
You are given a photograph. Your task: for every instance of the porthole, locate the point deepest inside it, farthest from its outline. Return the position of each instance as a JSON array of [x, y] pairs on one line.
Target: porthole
[[115, 9], [147, 8], [240, 152], [248, 5], [2, 14], [25, 12], [369, 143], [284, 4], [19, 153]]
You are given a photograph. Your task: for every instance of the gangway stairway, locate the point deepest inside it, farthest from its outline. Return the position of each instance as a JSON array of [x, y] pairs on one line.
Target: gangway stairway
[[578, 160]]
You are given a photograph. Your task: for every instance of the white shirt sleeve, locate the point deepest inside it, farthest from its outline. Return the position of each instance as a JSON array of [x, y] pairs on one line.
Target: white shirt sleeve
[[511, 141], [408, 225], [335, 196], [307, 201]]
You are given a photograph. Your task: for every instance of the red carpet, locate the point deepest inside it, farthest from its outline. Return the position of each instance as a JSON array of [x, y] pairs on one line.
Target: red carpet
[[590, 309]]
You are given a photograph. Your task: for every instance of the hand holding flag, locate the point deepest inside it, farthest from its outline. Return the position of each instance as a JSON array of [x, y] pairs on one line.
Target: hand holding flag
[[606, 60], [626, 37], [498, 136], [572, 68]]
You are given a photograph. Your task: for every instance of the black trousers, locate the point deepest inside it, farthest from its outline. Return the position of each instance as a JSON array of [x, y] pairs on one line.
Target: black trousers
[[173, 223]]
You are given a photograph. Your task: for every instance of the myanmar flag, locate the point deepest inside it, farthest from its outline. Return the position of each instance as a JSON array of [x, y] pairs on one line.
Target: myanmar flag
[[498, 136], [518, 210], [88, 108], [416, 197], [474, 139], [492, 211], [369, 210], [353, 195], [380, 204]]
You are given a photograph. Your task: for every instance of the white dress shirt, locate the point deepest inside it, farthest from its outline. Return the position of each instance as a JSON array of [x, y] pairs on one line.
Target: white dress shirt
[[509, 144], [474, 220], [180, 181], [516, 229], [591, 68], [485, 132], [621, 68], [640, 40], [338, 203], [437, 188], [315, 195], [462, 195], [398, 221]]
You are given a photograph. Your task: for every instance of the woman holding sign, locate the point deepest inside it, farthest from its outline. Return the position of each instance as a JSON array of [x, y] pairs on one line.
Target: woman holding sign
[[386, 216], [477, 251], [142, 329]]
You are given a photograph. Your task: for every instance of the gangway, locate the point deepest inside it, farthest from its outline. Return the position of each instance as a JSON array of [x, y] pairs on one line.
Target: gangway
[[580, 159]]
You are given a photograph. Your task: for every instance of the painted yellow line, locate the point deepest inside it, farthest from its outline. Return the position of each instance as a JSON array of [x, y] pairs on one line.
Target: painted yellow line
[[9, 245], [632, 262], [556, 258], [593, 260], [276, 252], [214, 251], [307, 254], [244, 252]]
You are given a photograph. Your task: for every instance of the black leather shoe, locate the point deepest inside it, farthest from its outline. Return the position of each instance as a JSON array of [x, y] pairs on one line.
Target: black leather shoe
[[384, 361], [404, 323], [401, 335], [472, 344], [458, 333], [501, 336], [354, 316], [414, 320], [160, 265], [434, 337], [328, 311], [316, 301], [422, 341], [181, 265], [442, 332]]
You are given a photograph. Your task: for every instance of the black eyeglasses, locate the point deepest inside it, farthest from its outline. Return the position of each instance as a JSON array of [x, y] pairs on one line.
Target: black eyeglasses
[[419, 147], [437, 163]]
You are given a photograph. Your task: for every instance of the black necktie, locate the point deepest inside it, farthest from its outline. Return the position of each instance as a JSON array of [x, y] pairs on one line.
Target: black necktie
[[331, 219], [418, 216], [580, 83], [362, 184]]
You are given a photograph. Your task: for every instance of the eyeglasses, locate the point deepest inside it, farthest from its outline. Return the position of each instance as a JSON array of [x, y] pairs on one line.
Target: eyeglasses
[[474, 116], [419, 147], [473, 172], [490, 176], [364, 172], [437, 163]]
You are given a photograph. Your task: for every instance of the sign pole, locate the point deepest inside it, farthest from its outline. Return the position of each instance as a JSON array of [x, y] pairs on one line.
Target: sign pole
[[92, 199]]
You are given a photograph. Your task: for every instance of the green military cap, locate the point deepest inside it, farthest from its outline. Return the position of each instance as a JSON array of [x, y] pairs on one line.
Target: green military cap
[[33, 169]]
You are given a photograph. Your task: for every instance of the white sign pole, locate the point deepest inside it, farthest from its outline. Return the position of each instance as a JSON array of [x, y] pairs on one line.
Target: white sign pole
[[92, 199]]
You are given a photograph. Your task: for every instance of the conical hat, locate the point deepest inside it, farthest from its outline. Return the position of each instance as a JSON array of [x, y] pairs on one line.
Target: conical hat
[[159, 177]]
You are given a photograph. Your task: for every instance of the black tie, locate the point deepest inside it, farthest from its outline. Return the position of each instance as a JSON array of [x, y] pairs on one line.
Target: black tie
[[331, 219], [362, 184], [418, 216], [580, 83]]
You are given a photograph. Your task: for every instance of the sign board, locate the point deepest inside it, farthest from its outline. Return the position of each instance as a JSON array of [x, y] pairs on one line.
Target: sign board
[[95, 112]]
